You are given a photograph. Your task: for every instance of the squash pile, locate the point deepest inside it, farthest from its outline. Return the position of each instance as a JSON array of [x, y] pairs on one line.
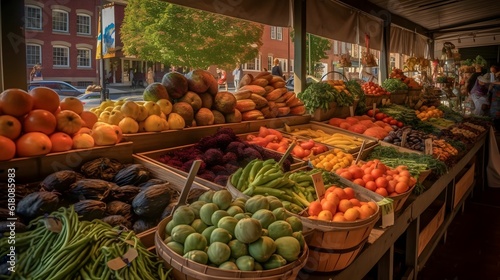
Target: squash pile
[[247, 235]]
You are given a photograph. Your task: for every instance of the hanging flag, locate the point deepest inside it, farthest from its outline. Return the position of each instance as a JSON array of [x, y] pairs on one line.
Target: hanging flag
[[106, 37]]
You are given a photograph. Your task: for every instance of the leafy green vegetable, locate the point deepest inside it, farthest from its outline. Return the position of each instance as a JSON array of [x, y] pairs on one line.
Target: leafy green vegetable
[[481, 61], [355, 89], [451, 115], [415, 162], [320, 95], [393, 85]]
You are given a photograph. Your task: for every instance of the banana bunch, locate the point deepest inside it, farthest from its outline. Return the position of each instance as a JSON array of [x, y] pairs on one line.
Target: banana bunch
[[266, 177], [339, 140]]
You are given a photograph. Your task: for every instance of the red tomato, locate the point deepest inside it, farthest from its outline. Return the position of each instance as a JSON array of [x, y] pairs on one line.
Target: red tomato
[[399, 124], [393, 122]]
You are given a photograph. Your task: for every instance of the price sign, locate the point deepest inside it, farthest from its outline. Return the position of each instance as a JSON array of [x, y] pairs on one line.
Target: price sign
[[428, 146], [387, 209], [404, 137], [319, 185], [125, 260]]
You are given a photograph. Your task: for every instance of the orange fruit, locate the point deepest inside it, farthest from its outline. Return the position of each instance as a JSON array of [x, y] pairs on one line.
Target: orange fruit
[[376, 173], [333, 197], [73, 104], [382, 191], [330, 206], [355, 201], [349, 192], [351, 214], [381, 182], [345, 204], [401, 187], [367, 178], [338, 217], [365, 211], [8, 150], [371, 185], [373, 205], [314, 208], [325, 215], [45, 98], [359, 182], [15, 102], [340, 193], [391, 186]]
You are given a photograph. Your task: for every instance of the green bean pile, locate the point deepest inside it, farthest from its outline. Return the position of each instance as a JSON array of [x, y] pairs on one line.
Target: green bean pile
[[80, 250]]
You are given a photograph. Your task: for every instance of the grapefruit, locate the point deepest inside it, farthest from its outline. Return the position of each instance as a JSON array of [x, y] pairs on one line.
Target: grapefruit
[[45, 98], [15, 102]]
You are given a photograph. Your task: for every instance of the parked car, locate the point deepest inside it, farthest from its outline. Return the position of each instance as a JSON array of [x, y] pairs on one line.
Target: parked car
[[62, 88], [309, 80], [93, 99]]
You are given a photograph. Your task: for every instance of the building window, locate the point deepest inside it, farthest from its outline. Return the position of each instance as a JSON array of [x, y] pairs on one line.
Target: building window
[[33, 54], [60, 56], [83, 58], [83, 24], [60, 21], [277, 33], [253, 65], [33, 17], [270, 60]]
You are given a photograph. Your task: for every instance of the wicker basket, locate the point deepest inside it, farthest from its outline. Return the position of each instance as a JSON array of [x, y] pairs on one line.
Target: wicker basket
[[184, 269], [414, 95], [399, 97], [333, 112], [370, 99], [333, 246]]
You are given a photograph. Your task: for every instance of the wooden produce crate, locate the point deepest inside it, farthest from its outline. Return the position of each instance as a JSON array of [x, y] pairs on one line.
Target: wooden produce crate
[[463, 185], [149, 141], [152, 159], [298, 162], [370, 141], [399, 148], [430, 221], [29, 169]]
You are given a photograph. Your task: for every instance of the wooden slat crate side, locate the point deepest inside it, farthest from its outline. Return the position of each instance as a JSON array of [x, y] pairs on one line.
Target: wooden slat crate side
[[148, 141], [463, 185], [30, 169], [160, 172], [428, 232]]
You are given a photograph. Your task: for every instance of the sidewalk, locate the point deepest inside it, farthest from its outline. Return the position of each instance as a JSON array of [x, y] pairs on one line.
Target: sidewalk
[[125, 89]]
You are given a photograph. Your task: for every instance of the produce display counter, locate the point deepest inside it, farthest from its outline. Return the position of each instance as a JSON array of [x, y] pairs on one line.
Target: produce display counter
[[148, 141], [28, 169], [380, 249]]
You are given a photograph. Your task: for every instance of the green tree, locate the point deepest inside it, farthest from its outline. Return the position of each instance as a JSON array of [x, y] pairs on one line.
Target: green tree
[[157, 31], [319, 46]]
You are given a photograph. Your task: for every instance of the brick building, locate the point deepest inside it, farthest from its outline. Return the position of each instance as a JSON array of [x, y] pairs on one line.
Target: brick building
[[62, 36]]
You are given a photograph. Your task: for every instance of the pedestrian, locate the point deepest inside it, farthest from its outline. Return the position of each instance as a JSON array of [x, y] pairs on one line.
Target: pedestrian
[[276, 70], [150, 76], [494, 95], [131, 78], [237, 73], [36, 73], [479, 95], [222, 78]]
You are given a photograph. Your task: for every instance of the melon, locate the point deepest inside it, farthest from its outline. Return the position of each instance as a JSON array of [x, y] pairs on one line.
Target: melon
[[204, 116], [154, 92], [175, 83], [200, 81]]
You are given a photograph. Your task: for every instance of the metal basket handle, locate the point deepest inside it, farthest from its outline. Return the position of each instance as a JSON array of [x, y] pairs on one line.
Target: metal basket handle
[[337, 72]]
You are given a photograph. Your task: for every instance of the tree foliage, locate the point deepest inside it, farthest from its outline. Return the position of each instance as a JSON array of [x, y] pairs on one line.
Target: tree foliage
[[319, 46], [158, 31]]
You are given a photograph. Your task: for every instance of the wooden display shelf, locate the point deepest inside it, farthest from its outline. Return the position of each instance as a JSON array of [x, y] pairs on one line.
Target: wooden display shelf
[[148, 141], [31, 168]]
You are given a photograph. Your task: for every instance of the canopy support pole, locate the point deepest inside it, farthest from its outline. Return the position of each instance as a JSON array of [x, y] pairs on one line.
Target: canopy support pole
[[299, 42]]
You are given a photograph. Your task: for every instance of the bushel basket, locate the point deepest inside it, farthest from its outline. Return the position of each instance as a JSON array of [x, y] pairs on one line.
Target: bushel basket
[[184, 269]]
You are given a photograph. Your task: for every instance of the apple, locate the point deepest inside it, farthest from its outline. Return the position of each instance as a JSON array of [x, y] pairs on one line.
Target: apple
[[165, 105], [152, 108], [83, 141], [128, 125], [61, 142], [104, 117], [130, 109], [143, 114], [68, 122], [10, 127], [104, 135], [153, 123], [115, 117]]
